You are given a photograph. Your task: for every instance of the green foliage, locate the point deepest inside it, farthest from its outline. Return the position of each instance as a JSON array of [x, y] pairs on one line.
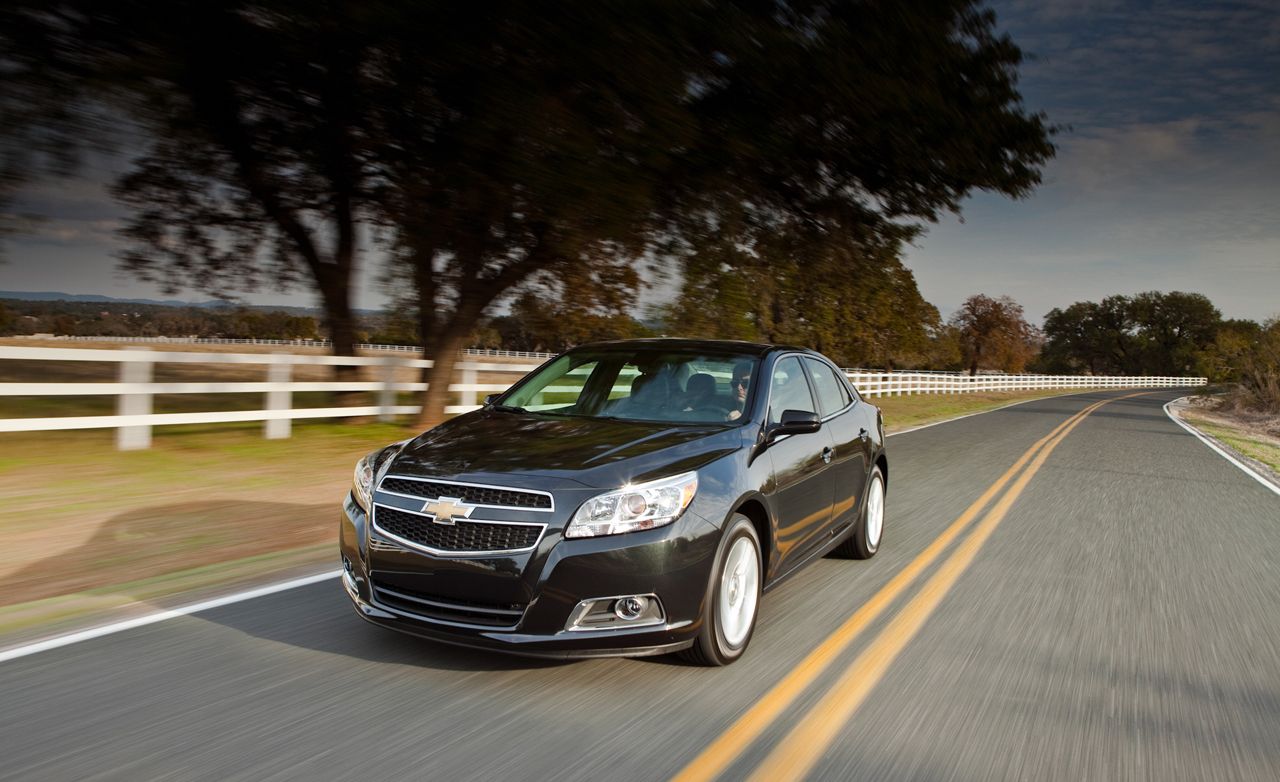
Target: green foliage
[[553, 325], [852, 300], [1233, 343], [1260, 371], [1148, 334], [569, 305]]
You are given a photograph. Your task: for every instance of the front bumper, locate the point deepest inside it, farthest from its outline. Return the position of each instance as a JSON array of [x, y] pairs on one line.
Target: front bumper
[[533, 594]]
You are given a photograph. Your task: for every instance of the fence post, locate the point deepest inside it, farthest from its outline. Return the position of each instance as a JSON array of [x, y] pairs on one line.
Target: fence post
[[469, 395], [137, 437], [278, 371], [387, 395]]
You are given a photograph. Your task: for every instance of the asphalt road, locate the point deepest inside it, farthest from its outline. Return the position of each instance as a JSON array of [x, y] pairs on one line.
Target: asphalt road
[[1121, 621]]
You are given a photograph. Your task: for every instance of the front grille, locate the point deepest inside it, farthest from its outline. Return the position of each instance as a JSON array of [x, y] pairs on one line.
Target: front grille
[[463, 536], [445, 609], [476, 495]]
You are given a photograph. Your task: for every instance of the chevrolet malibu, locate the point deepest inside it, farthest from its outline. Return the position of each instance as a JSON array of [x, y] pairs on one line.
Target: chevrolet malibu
[[625, 498]]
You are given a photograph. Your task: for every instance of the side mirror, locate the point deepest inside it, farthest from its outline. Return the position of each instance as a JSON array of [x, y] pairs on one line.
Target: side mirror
[[795, 422], [490, 399]]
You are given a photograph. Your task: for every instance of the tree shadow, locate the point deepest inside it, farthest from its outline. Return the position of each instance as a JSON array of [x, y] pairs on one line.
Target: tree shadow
[[134, 549], [319, 617], [132, 554]]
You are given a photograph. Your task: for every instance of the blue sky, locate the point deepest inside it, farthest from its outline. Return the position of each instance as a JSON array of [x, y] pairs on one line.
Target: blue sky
[[1168, 177]]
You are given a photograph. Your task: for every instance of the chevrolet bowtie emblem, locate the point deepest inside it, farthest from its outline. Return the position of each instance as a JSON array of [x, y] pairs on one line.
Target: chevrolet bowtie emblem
[[446, 509]]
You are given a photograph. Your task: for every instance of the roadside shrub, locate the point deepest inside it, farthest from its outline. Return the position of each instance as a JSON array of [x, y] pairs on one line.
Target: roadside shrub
[[1259, 389]]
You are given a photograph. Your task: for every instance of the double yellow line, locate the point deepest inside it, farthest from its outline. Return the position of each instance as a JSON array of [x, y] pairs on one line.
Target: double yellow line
[[806, 743]]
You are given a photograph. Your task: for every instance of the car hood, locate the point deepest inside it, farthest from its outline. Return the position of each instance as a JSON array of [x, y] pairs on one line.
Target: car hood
[[488, 445]]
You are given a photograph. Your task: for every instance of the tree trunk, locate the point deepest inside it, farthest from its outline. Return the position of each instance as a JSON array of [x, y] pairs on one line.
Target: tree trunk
[[340, 323], [444, 353]]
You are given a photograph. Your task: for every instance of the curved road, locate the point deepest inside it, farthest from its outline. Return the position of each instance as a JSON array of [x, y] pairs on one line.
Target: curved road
[[1112, 612]]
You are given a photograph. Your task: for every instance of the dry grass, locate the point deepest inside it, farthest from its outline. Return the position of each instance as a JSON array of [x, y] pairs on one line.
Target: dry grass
[[1248, 432], [905, 412], [78, 515]]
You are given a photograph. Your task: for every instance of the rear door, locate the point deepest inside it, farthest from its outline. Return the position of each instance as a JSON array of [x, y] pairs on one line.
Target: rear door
[[849, 441], [804, 484]]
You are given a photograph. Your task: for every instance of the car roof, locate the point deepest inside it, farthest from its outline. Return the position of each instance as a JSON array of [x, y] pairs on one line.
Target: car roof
[[682, 344]]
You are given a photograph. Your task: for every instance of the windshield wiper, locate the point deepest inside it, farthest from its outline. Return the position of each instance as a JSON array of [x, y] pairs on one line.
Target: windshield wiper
[[508, 409]]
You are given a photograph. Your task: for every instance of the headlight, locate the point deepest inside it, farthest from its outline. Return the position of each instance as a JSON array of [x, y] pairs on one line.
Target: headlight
[[366, 468], [362, 481], [631, 508]]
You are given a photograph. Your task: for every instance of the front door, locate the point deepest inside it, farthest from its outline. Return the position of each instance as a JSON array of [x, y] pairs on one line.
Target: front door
[[803, 482]]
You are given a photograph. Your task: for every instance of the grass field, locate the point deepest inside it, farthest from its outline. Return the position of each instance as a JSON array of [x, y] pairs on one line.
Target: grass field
[[1258, 447], [90, 529]]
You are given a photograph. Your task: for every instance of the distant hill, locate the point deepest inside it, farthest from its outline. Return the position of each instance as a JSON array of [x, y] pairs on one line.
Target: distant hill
[[91, 297], [213, 304]]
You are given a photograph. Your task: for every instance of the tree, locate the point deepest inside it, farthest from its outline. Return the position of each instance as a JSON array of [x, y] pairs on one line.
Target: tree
[[993, 334], [1175, 328], [1150, 333], [552, 324], [1260, 371], [487, 143], [254, 169], [855, 302], [1233, 343]]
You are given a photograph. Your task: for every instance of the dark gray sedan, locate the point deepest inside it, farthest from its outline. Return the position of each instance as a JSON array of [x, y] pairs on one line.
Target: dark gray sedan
[[625, 498]]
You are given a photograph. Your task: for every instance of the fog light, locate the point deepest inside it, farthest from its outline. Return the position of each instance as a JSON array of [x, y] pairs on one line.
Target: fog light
[[349, 576], [623, 611], [630, 608]]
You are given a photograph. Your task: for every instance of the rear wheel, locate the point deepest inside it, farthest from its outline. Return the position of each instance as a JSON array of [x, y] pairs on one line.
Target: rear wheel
[[733, 597], [865, 540]]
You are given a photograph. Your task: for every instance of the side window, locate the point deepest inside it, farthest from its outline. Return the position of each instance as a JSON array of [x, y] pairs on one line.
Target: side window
[[832, 394], [788, 390]]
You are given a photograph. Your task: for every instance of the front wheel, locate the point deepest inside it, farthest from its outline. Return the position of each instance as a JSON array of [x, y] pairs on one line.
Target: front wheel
[[865, 540], [733, 597]]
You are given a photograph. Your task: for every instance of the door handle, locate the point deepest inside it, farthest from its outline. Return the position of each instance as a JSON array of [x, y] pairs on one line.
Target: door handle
[[827, 453]]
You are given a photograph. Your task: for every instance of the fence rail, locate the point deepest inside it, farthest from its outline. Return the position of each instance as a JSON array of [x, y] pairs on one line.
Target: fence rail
[[297, 343], [135, 388]]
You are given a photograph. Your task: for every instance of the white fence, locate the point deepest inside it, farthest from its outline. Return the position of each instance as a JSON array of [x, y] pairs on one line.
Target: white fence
[[135, 389], [297, 343]]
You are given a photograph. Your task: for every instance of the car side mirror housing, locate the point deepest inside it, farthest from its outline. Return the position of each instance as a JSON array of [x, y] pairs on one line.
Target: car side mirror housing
[[795, 422], [490, 399]]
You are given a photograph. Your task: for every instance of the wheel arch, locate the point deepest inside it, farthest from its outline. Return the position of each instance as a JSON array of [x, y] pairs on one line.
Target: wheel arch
[[753, 508]]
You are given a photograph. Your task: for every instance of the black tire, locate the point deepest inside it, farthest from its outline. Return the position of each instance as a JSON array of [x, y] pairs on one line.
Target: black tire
[[711, 648], [860, 545]]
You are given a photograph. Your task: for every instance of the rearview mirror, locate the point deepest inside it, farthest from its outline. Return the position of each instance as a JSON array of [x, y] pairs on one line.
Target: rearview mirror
[[795, 422]]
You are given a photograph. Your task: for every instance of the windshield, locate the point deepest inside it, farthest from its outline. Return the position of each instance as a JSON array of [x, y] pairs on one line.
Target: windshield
[[642, 384]]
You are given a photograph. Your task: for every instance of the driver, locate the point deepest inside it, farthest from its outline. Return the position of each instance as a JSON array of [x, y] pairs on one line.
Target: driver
[[738, 385]]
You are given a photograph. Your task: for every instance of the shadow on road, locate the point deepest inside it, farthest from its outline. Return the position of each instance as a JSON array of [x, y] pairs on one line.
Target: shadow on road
[[163, 539], [319, 617]]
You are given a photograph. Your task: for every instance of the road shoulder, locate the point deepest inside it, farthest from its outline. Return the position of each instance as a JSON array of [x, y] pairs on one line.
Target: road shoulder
[[1252, 451]]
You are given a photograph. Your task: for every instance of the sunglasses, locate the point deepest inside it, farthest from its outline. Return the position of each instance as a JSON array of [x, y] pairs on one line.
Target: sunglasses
[[740, 382]]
